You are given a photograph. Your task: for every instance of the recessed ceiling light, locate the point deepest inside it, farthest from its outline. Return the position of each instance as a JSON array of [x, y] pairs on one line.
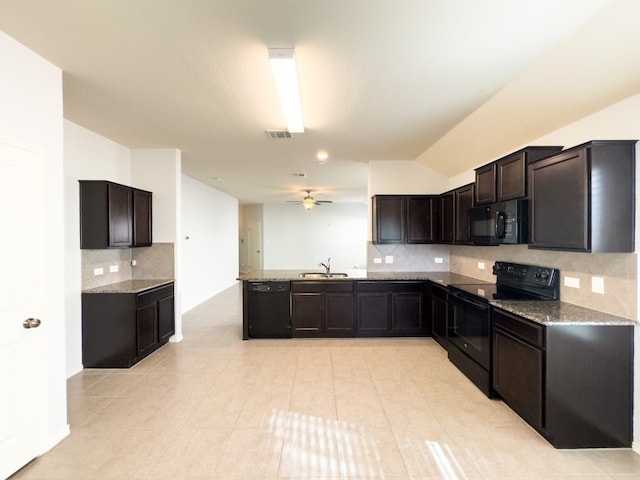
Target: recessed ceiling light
[[322, 155]]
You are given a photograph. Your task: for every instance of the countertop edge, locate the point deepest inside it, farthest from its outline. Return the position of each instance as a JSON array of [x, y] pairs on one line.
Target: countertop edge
[[559, 313], [129, 286]]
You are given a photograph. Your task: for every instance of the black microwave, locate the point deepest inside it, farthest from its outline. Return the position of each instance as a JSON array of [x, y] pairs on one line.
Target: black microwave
[[501, 222]]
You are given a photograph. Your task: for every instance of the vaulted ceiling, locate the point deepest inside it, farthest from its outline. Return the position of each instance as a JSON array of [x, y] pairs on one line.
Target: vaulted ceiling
[[451, 83]]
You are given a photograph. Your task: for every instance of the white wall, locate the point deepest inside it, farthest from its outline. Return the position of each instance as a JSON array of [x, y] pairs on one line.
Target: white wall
[[31, 116], [295, 238], [87, 156], [404, 177], [159, 170], [210, 255]]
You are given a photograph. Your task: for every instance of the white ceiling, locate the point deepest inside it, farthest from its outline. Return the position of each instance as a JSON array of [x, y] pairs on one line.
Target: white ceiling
[[452, 83]]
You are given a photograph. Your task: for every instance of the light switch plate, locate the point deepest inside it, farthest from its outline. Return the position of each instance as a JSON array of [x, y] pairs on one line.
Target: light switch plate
[[98, 271], [597, 285], [439, 259], [113, 268], [572, 282], [377, 260], [481, 265]]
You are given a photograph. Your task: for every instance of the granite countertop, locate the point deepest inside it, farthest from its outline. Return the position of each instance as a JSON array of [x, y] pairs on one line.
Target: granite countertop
[[542, 312], [129, 286], [444, 278], [559, 313]]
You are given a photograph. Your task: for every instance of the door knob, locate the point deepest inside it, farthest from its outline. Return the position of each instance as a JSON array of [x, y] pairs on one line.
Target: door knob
[[31, 323]]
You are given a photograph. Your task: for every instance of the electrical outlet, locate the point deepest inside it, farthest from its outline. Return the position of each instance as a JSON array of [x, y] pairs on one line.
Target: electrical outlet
[[481, 265], [98, 271], [377, 260], [113, 268], [597, 285], [572, 282], [388, 259], [439, 260], [133, 263]]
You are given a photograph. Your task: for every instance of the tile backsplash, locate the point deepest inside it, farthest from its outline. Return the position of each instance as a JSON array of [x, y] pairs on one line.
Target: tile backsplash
[[618, 270], [407, 258], [154, 262]]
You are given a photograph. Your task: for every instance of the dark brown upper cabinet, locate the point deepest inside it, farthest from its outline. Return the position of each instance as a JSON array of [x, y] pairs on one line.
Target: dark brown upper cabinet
[[447, 218], [142, 218], [463, 198], [422, 218], [583, 199], [506, 178], [486, 184], [454, 214], [404, 218], [109, 217]]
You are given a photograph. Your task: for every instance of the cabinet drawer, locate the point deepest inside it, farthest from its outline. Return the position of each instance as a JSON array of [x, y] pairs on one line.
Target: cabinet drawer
[[151, 296], [323, 286], [390, 286], [520, 328]]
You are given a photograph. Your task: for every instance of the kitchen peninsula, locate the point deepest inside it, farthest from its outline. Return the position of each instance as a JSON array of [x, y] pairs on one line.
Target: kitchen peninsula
[[565, 369], [391, 304]]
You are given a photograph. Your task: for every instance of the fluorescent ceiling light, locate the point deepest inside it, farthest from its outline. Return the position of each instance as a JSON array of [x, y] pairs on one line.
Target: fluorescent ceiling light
[[284, 71]]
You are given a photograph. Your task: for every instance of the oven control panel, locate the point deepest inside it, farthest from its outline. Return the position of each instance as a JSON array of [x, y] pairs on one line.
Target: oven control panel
[[514, 273]]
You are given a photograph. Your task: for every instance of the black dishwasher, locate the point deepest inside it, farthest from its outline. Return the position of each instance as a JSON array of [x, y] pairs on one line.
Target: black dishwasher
[[269, 311]]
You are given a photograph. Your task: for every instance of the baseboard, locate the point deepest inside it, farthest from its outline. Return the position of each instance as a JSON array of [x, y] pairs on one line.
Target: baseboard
[[55, 439]]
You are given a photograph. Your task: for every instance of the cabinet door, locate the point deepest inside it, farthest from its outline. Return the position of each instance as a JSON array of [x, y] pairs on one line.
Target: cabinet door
[[120, 215], [518, 376], [559, 202], [306, 314], [389, 219], [463, 202], [339, 313], [406, 312], [142, 214], [439, 315], [447, 217], [511, 177], [166, 319], [147, 329], [422, 215], [373, 313], [486, 184]]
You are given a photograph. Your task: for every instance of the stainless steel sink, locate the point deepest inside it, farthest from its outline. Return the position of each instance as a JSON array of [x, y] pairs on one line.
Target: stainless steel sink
[[322, 275]]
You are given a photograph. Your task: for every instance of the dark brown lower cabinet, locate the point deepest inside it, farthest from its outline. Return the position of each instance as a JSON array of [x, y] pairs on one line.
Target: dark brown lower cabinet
[[322, 309], [390, 308], [439, 314], [120, 329], [572, 383]]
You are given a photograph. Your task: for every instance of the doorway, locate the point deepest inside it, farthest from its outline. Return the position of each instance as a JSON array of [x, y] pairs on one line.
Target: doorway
[[254, 245]]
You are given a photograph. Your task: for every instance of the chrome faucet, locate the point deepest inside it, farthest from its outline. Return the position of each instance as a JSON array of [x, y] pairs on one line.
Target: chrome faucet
[[327, 266]]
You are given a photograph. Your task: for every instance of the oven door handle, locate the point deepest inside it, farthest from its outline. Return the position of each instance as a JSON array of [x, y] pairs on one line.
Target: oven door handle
[[474, 303]]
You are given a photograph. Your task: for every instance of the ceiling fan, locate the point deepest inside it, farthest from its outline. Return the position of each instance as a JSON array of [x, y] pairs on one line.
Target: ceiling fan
[[308, 202]]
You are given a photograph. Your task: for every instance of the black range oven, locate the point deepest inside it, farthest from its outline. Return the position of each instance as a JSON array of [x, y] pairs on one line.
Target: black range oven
[[469, 327]]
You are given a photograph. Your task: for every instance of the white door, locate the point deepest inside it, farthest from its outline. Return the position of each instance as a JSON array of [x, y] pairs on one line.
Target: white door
[[23, 399], [254, 235]]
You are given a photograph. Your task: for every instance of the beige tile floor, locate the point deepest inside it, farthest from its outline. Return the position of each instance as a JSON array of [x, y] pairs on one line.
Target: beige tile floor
[[215, 407]]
